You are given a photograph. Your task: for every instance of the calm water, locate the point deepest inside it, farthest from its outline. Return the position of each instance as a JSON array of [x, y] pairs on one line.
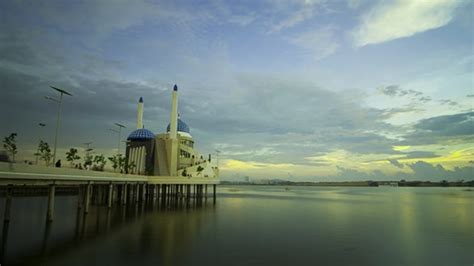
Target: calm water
[[254, 225]]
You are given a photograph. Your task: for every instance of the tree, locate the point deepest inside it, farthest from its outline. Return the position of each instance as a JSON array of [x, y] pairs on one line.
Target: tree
[[99, 162], [115, 161], [71, 156], [122, 163], [45, 152], [88, 159], [9, 143], [184, 173], [199, 170], [130, 167]]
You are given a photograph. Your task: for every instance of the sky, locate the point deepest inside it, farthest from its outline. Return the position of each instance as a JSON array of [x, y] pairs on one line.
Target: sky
[[323, 90]]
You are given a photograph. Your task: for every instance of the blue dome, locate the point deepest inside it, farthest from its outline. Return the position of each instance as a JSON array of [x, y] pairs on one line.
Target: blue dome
[[181, 127], [141, 134]]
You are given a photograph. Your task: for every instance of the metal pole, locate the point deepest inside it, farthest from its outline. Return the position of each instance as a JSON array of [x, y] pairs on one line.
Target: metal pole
[[57, 127], [118, 145]]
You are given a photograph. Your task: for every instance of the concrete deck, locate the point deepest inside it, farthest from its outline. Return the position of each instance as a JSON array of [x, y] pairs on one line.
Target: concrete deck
[[22, 174]]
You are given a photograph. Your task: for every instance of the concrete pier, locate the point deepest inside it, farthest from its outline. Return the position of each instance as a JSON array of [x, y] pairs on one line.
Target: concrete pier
[[104, 190], [110, 195], [51, 194], [87, 197]]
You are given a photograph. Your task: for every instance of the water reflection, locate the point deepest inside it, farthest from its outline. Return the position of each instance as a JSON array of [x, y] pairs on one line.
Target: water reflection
[[253, 226], [64, 235]]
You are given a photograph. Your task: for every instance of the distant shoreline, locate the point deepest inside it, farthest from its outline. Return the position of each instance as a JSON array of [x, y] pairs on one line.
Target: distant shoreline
[[401, 183]]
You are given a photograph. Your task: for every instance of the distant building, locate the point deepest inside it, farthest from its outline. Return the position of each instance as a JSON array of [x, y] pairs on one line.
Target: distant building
[[166, 154]]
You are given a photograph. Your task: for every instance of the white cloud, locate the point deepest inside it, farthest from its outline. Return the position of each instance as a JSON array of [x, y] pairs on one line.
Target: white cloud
[[320, 42], [403, 18], [293, 20]]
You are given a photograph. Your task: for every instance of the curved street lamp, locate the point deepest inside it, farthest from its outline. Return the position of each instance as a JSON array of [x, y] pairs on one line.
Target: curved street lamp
[[60, 101]]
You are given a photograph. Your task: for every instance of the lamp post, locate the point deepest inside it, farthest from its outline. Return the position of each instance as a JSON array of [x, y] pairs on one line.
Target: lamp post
[[60, 101], [119, 132], [41, 125], [217, 159]]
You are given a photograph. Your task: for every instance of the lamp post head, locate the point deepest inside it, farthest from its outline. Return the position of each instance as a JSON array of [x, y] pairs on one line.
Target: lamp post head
[[60, 90], [120, 125]]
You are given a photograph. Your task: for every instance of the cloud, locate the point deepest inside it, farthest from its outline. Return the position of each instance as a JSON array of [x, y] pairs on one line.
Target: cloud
[[451, 128], [294, 19], [395, 163], [420, 171], [395, 90], [289, 14], [242, 20], [389, 20], [320, 43], [448, 102]]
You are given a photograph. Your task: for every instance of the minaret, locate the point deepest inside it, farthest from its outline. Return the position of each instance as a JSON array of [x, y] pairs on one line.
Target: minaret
[[173, 133], [140, 114], [174, 113]]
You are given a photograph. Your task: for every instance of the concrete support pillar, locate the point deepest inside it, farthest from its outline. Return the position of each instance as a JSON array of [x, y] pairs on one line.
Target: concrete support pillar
[[109, 195], [87, 197], [137, 192], [214, 193], [80, 196], [205, 191], [99, 195], [51, 194], [8, 204], [124, 198]]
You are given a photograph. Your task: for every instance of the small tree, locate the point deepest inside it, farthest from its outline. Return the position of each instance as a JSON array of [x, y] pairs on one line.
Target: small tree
[[122, 163], [130, 167], [88, 159], [9, 143], [115, 161], [184, 173], [99, 162], [45, 152], [72, 155], [199, 170]]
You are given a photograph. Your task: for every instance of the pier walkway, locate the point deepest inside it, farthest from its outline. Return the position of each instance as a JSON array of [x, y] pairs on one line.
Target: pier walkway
[[103, 187]]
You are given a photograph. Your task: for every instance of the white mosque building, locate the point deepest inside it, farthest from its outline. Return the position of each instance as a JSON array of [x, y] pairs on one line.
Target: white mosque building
[[167, 154]]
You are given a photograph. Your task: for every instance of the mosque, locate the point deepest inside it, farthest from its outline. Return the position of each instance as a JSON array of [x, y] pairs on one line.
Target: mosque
[[169, 154]]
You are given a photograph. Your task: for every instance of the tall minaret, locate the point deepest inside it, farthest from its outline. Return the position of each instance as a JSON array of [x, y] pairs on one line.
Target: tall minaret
[[140, 114], [174, 113], [173, 133]]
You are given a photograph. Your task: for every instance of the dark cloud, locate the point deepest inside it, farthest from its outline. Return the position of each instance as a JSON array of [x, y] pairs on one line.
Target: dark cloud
[[396, 163], [396, 91], [421, 171], [420, 154], [448, 102], [425, 99], [447, 127]]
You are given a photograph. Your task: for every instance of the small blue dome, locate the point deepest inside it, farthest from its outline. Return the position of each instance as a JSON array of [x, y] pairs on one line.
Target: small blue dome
[[141, 134], [181, 127]]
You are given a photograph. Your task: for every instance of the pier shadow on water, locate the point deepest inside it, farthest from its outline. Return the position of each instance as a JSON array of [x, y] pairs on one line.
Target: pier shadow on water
[[29, 239]]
